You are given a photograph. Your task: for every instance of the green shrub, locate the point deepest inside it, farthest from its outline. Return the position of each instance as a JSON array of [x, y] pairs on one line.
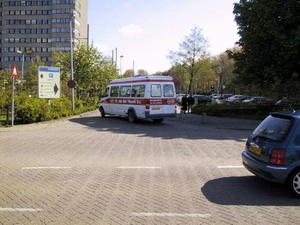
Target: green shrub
[[236, 110], [33, 109], [61, 107]]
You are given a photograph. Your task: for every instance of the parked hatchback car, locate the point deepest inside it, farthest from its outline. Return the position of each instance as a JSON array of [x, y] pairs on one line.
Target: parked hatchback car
[[199, 99], [272, 151]]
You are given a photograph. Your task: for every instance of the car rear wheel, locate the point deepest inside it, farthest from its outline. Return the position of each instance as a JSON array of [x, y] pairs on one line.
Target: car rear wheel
[[131, 117], [293, 183], [102, 112]]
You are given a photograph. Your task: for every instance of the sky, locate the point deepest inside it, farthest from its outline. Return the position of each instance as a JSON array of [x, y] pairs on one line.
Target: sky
[[140, 33]]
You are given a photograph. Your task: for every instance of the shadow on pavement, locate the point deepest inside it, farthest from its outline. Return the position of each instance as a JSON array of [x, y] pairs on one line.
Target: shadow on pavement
[[247, 190], [170, 128]]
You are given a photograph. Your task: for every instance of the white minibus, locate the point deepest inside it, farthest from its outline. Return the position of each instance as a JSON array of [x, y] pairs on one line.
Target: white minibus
[[140, 97]]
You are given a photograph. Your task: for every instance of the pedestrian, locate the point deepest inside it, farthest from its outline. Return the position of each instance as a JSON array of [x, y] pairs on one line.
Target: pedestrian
[[184, 103], [190, 102]]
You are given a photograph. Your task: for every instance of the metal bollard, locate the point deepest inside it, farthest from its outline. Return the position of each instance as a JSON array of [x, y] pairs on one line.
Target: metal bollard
[[203, 117], [181, 114]]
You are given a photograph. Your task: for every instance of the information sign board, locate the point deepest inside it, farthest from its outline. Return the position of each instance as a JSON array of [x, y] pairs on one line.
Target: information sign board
[[49, 82]]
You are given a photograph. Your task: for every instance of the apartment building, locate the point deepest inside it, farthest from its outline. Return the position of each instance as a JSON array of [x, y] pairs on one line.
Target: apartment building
[[37, 28]]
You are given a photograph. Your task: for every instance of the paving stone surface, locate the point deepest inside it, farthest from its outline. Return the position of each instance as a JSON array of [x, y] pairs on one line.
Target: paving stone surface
[[92, 170]]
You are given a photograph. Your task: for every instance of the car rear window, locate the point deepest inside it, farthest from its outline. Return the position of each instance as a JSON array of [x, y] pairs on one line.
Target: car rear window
[[273, 128]]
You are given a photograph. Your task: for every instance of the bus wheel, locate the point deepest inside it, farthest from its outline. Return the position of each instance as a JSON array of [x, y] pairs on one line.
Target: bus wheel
[[157, 120], [102, 112], [131, 117]]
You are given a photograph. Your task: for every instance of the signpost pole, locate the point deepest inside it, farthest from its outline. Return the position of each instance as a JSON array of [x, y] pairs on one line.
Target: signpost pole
[[13, 74], [13, 101], [71, 54]]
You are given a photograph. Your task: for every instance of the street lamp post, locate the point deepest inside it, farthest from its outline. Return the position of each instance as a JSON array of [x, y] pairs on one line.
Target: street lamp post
[[116, 57], [121, 64], [23, 58], [133, 67], [71, 56]]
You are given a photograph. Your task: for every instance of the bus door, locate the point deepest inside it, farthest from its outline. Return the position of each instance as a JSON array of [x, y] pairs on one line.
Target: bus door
[[162, 99]]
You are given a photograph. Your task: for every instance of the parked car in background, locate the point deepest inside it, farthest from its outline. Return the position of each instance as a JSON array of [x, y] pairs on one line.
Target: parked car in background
[[269, 101], [272, 151], [255, 100], [233, 98], [222, 98], [242, 98], [200, 99], [213, 96], [285, 102], [226, 96]]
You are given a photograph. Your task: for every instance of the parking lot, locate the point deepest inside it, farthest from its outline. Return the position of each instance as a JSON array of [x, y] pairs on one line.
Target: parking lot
[[92, 170]]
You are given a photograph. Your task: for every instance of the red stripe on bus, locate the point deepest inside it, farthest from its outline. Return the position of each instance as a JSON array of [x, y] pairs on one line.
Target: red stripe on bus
[[140, 101], [141, 81]]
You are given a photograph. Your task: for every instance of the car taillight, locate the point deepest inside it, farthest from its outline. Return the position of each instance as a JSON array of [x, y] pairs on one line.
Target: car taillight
[[277, 156]]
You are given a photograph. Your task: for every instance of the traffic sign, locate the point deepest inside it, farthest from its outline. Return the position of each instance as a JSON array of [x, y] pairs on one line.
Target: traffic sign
[[71, 83], [14, 71], [49, 82]]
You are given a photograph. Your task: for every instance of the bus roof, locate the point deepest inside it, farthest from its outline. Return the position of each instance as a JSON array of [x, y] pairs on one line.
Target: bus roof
[[142, 78]]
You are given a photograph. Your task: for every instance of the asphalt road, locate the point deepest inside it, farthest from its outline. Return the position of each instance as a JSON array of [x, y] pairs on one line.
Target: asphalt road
[[92, 170]]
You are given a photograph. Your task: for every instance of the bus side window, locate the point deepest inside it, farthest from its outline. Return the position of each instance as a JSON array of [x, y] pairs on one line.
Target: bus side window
[[133, 92], [125, 91], [128, 92], [140, 90], [155, 90], [114, 91], [106, 94], [168, 90]]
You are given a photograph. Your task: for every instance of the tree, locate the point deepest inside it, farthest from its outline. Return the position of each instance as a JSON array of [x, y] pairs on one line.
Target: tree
[[6, 89], [191, 50], [128, 73], [31, 84], [223, 67], [180, 77], [270, 42], [205, 78], [92, 72], [142, 72]]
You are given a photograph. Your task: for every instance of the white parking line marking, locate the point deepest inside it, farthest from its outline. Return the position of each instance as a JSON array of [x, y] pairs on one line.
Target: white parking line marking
[[226, 167], [45, 167], [138, 167], [20, 210], [172, 215]]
